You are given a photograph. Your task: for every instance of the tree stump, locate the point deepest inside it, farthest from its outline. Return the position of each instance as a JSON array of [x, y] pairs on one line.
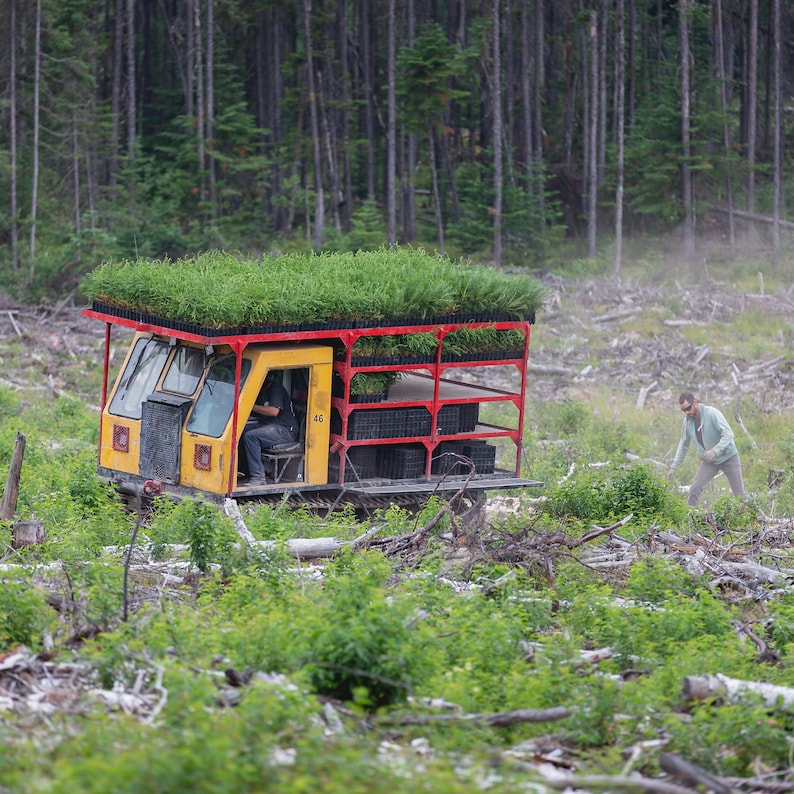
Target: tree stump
[[27, 533]]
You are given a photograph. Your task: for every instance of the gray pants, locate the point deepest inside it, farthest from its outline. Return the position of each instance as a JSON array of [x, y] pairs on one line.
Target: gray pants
[[257, 439], [731, 468]]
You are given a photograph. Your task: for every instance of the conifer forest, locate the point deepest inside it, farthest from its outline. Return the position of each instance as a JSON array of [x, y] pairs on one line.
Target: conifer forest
[[500, 130]]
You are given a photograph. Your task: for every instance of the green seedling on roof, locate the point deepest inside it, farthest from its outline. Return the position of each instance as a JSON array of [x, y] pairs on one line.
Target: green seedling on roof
[[220, 289]]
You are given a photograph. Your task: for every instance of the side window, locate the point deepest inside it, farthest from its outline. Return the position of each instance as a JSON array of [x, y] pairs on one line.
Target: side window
[[139, 378], [215, 402], [185, 371]]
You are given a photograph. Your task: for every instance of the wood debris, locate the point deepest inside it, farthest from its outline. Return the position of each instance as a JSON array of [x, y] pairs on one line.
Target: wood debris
[[654, 365]]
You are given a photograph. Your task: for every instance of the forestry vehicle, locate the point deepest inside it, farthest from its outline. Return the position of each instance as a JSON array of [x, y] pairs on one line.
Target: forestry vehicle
[[172, 420]]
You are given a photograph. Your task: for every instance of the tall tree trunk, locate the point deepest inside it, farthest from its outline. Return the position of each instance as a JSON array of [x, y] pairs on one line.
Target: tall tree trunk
[[409, 222], [620, 80], [211, 108], [508, 81], [527, 152], [330, 152], [592, 137], [319, 199], [190, 60], [603, 27], [570, 34], [200, 107], [726, 134], [497, 136], [684, 8], [367, 87], [131, 101], [34, 188], [346, 104], [778, 130], [539, 81], [752, 103], [436, 193], [115, 93], [12, 49], [632, 65], [76, 189], [391, 130]]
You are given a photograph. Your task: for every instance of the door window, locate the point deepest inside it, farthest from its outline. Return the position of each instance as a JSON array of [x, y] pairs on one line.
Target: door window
[[216, 400]]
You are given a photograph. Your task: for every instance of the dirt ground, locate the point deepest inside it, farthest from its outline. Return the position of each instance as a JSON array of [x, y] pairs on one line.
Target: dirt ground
[[585, 337]]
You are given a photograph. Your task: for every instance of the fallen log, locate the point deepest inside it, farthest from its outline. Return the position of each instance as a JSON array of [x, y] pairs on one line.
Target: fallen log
[[499, 719], [690, 774], [542, 369], [704, 687], [754, 216], [630, 783], [620, 314]]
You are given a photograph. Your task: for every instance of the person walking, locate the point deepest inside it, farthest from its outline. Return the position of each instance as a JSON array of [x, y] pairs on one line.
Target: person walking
[[713, 439]]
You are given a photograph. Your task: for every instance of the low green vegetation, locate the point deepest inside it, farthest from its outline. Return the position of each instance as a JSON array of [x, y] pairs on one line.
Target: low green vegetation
[[246, 669]]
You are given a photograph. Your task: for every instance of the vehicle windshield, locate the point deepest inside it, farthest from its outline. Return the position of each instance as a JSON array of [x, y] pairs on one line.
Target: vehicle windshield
[[185, 370], [140, 377], [216, 400]]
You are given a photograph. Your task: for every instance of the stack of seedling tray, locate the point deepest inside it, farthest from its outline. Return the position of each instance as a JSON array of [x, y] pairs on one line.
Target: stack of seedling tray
[[401, 461], [447, 423], [481, 454], [364, 424], [392, 422], [360, 464], [417, 422], [468, 416], [445, 458], [478, 451]]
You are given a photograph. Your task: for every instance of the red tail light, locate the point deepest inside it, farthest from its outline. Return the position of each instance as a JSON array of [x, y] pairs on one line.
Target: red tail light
[[121, 438], [202, 457]]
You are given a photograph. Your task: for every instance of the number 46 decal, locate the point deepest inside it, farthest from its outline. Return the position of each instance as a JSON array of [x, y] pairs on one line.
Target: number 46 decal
[[318, 418]]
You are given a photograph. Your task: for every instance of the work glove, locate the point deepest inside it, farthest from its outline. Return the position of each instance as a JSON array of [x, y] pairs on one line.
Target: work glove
[[709, 456]]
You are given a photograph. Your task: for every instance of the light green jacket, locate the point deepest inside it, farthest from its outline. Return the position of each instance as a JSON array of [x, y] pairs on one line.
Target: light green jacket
[[717, 435]]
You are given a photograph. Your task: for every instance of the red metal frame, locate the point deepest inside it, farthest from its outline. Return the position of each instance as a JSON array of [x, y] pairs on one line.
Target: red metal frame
[[339, 442]]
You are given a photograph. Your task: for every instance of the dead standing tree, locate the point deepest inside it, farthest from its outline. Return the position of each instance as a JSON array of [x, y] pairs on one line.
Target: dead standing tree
[[25, 533]]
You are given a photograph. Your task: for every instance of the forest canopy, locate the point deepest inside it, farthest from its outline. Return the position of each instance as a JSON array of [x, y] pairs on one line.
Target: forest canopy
[[499, 130]]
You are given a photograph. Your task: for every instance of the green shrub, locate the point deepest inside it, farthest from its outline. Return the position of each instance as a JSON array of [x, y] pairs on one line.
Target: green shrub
[[609, 493], [210, 534], [732, 513], [366, 646], [655, 580], [571, 418], [648, 634], [25, 615], [747, 734]]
